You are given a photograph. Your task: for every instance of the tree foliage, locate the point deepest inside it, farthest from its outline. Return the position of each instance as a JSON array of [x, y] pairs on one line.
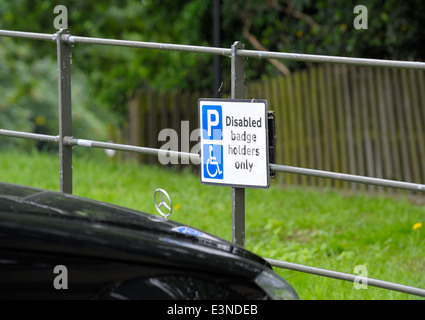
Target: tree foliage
[[302, 26], [28, 92], [326, 27]]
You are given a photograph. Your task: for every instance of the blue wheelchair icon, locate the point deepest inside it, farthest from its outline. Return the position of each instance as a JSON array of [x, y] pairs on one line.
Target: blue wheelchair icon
[[213, 161]]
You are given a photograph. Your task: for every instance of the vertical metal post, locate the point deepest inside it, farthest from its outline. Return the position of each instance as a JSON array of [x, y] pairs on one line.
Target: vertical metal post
[[65, 115], [217, 43], [238, 194]]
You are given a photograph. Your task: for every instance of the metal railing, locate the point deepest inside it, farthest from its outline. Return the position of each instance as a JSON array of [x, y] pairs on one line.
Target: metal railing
[[237, 53]]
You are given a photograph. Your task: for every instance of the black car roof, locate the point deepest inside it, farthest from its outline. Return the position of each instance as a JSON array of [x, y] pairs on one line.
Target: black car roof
[[42, 220]]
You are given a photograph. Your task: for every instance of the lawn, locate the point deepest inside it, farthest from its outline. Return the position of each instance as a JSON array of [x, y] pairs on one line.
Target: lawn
[[327, 229]]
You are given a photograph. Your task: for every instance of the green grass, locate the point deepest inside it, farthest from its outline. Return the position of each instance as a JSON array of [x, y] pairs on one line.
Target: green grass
[[322, 228]]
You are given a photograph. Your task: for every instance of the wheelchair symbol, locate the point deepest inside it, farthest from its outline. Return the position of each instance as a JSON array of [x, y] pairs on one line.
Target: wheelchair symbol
[[212, 161], [213, 168]]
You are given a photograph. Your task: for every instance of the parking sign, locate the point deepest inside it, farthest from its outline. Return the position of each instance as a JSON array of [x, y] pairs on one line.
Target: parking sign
[[234, 146]]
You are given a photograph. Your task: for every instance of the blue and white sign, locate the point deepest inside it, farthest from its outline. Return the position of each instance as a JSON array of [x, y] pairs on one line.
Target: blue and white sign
[[234, 146]]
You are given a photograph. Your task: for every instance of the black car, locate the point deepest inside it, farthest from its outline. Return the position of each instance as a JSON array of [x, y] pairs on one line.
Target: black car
[[58, 246]]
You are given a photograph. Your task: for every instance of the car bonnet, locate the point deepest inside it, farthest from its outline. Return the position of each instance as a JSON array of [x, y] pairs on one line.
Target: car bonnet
[[53, 221]]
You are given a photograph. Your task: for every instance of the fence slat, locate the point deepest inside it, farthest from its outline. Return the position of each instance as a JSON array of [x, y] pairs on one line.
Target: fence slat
[[283, 144], [384, 124], [374, 129], [325, 136], [332, 119], [391, 113], [358, 133], [402, 141], [279, 125], [309, 136], [318, 150], [365, 123], [299, 107], [292, 127], [340, 120], [348, 122]]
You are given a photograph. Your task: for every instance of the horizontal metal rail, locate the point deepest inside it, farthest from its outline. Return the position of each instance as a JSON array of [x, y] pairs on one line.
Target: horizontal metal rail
[[71, 141], [129, 148], [347, 277], [221, 51], [349, 177], [28, 35], [148, 45], [186, 155], [331, 59], [26, 135], [114, 42]]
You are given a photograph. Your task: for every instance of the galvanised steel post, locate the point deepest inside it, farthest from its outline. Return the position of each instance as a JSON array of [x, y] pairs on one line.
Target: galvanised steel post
[[65, 114], [238, 194], [217, 43]]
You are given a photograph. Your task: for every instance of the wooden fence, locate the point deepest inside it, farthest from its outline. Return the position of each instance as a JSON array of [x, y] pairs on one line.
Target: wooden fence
[[347, 119]]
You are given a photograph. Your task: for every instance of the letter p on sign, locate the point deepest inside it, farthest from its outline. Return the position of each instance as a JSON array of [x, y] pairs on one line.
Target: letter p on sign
[[212, 122]]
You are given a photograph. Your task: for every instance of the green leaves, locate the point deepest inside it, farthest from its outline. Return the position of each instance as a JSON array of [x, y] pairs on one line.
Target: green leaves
[[113, 73], [28, 87]]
